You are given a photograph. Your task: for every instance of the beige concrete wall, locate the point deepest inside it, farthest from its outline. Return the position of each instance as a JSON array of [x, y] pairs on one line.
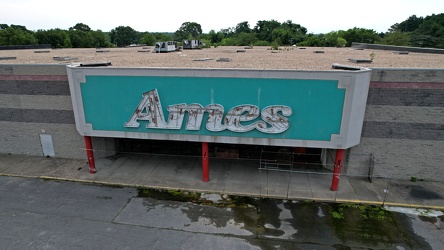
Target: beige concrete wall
[[403, 126], [34, 100]]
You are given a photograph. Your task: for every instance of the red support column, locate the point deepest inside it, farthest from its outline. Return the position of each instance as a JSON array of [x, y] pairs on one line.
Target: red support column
[[205, 170], [337, 169], [90, 154]]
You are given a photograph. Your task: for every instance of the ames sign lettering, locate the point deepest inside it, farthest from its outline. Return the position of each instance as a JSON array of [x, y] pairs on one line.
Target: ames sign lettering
[[273, 117]]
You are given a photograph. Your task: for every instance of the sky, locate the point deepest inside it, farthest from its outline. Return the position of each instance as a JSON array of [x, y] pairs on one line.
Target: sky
[[167, 16]]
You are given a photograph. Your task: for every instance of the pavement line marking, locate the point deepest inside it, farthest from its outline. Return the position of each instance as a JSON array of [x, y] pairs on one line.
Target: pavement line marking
[[393, 204], [52, 178], [414, 205], [360, 201]]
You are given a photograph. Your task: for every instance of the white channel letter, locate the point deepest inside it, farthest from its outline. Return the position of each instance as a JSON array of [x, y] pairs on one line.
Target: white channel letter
[[195, 116], [278, 122], [215, 117], [149, 109], [242, 113], [175, 116]]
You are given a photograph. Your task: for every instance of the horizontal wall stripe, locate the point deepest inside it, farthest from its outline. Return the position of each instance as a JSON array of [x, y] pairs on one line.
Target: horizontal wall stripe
[[51, 102], [33, 69], [406, 97], [37, 115], [398, 130], [33, 78], [407, 75], [34, 87], [407, 85], [411, 114]]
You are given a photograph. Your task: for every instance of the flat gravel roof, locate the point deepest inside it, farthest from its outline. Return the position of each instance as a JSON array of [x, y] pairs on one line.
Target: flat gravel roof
[[296, 58]]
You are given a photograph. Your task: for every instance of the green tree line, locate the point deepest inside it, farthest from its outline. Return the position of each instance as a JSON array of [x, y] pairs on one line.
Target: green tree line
[[415, 31]]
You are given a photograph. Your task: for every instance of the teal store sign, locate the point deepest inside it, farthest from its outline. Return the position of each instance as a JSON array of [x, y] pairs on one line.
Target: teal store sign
[[288, 108], [312, 108]]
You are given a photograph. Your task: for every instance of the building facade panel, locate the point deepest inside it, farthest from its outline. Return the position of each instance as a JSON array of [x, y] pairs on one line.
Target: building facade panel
[[23, 138], [403, 114], [37, 115], [403, 123], [403, 130], [30, 87], [406, 97], [419, 75], [35, 100], [397, 158]]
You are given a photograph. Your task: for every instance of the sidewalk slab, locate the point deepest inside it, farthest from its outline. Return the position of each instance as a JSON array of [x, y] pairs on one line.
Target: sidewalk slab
[[320, 184], [346, 191], [244, 178], [35, 166], [419, 193], [104, 167], [274, 184], [366, 191], [218, 175], [299, 187], [8, 161], [170, 172], [392, 192], [68, 169], [133, 170]]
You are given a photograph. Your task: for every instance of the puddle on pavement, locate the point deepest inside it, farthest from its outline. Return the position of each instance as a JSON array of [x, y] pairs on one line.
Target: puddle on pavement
[[300, 224]]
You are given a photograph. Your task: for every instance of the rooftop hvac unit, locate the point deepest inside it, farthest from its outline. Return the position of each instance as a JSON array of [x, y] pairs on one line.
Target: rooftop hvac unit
[[162, 47], [191, 44]]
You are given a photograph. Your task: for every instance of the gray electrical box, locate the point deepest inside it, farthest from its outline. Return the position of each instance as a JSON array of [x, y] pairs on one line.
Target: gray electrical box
[[47, 146]]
